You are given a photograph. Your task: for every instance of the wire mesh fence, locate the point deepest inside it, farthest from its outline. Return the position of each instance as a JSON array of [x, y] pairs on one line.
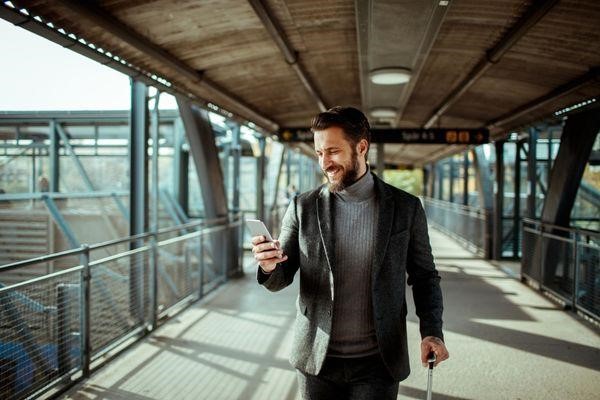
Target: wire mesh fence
[[53, 326], [465, 223], [38, 328], [564, 262]]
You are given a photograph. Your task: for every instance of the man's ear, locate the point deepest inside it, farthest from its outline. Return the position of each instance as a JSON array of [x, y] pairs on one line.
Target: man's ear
[[362, 147]]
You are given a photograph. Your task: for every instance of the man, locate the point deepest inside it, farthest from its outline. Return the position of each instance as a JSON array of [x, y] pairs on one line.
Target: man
[[355, 241]]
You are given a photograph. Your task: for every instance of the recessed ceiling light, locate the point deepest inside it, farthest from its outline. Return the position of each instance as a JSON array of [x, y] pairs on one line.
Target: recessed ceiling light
[[390, 76], [383, 112]]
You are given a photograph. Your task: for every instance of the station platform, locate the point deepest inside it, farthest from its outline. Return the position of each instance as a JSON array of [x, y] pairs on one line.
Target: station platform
[[506, 341]]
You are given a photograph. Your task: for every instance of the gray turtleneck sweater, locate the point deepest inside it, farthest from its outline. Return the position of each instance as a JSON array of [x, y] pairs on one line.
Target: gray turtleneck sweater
[[355, 219]]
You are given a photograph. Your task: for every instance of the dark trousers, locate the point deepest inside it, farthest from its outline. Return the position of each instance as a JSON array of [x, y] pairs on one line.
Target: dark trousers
[[364, 378]]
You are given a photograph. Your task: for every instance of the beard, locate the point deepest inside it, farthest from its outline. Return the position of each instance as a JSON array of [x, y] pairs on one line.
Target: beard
[[349, 174]]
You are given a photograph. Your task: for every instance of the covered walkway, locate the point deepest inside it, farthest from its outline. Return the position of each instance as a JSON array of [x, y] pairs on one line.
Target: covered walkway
[[506, 342]]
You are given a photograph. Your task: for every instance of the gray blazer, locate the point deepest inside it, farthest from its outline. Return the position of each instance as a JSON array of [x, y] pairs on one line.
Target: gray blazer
[[402, 251]]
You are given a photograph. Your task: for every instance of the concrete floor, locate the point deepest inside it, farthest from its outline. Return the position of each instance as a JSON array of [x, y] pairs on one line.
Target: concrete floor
[[506, 341]]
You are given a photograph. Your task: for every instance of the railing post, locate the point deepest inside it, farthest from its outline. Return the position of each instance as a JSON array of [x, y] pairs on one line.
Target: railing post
[[241, 244], [85, 312], [542, 258], [201, 263], [154, 281], [575, 268]]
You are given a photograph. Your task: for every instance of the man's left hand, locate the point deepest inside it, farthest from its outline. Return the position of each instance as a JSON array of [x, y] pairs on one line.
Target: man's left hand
[[436, 345]]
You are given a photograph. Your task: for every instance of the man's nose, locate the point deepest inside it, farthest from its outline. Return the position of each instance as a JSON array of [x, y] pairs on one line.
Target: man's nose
[[325, 161]]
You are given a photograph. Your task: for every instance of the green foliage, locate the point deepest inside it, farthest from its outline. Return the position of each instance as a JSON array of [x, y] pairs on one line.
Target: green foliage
[[410, 181]]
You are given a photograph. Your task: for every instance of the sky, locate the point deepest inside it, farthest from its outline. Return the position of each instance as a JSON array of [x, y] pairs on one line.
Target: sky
[[37, 74]]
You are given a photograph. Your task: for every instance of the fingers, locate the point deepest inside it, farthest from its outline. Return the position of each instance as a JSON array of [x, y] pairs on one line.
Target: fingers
[[265, 246], [435, 345], [268, 254], [269, 264], [258, 239]]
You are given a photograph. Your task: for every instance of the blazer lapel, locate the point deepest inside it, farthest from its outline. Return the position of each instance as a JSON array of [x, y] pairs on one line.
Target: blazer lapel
[[325, 219], [385, 222]]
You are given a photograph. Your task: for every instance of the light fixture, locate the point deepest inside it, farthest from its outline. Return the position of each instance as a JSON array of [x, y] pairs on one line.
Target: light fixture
[[383, 112], [390, 76]]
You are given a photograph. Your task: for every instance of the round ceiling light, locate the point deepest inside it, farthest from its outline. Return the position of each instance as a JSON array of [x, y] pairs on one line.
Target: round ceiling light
[[383, 112], [390, 76]]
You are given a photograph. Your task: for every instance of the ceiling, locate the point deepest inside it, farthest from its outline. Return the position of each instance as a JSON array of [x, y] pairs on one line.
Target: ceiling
[[496, 64]]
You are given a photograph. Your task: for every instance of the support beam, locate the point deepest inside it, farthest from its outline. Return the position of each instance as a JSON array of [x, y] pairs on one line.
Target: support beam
[[54, 154], [290, 55], [576, 143], [380, 159], [138, 193], [589, 77], [206, 158], [451, 176], [577, 140], [431, 181], [154, 133], [180, 167], [516, 217], [260, 180], [492, 56], [498, 201], [485, 189], [236, 154], [95, 14], [532, 173], [466, 178], [78, 165]]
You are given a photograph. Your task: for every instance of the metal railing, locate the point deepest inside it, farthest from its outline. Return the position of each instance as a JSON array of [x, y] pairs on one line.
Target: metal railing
[[464, 223], [564, 262], [53, 328]]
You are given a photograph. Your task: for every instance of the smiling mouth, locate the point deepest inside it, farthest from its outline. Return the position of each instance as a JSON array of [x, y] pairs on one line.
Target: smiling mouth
[[332, 173]]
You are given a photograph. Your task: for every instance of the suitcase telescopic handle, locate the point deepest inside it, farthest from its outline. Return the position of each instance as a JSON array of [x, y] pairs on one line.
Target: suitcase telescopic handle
[[431, 359]]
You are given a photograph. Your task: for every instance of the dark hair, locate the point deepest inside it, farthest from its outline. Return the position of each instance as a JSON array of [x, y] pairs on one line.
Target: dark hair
[[352, 121]]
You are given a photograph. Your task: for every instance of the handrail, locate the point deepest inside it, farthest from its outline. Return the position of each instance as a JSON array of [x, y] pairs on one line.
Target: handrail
[[50, 257], [56, 195], [455, 206], [563, 228]]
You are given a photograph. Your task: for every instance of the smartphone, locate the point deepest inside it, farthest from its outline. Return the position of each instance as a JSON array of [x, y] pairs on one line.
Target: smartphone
[[258, 228]]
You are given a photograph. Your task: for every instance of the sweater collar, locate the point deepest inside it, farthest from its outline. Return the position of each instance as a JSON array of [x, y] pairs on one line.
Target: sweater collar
[[362, 189]]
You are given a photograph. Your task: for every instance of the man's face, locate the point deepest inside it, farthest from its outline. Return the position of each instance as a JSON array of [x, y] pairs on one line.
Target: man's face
[[341, 162]]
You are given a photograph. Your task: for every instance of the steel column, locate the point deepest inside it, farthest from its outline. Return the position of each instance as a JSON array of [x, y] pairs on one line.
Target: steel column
[[54, 154], [180, 167], [206, 158], [380, 159], [576, 144], [532, 172], [260, 179], [498, 200], [486, 201], [78, 165], [138, 192], [236, 153], [577, 140], [451, 173], [516, 228], [466, 178]]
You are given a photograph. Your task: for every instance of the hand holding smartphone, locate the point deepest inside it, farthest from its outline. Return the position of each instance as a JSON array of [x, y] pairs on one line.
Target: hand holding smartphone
[[267, 253], [258, 228]]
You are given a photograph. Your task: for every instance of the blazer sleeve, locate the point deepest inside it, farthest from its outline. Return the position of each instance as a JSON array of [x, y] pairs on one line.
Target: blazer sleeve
[[283, 274], [423, 277]]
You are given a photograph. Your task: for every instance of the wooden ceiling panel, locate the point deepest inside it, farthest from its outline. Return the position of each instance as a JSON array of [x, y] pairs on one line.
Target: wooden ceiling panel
[[270, 86], [204, 34], [470, 28]]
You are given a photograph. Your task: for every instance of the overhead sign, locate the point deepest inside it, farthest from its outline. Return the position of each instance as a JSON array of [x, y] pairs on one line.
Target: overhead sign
[[417, 136]]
